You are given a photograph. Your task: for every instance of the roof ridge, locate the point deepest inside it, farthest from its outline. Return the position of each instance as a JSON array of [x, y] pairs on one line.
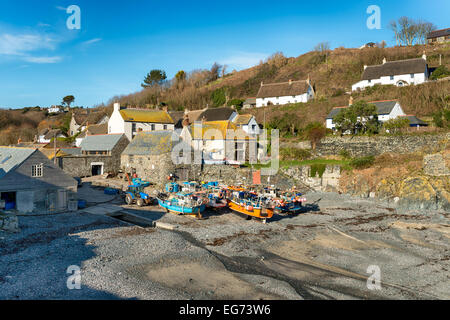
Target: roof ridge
[[276, 83]]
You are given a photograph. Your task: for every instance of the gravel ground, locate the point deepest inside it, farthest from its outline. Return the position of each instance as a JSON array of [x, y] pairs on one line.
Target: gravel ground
[[322, 253]]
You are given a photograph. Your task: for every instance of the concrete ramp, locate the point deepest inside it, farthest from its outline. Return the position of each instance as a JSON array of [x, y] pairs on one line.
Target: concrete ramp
[[103, 209]]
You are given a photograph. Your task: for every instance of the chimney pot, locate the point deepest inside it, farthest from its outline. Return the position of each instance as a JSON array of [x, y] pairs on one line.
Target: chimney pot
[[116, 106], [365, 67], [424, 56], [290, 81], [384, 60]]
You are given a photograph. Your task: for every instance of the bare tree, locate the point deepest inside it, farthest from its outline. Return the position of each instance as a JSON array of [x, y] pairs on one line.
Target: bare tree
[[323, 48], [407, 30], [423, 29]]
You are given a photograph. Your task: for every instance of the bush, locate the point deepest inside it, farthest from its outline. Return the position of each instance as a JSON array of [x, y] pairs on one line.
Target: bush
[[218, 97], [440, 72], [317, 168], [294, 154], [344, 154], [361, 163]]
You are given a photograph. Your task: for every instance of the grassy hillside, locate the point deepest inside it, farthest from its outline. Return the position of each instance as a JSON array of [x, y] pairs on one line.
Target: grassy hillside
[[332, 77]]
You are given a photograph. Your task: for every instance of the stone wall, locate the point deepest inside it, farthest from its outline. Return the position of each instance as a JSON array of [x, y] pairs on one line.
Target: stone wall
[[328, 181], [80, 166], [364, 146], [436, 164]]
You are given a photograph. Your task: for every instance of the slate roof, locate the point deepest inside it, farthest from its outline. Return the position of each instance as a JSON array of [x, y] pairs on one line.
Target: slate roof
[[152, 143], [250, 101], [146, 116], [12, 157], [413, 120], [393, 68], [282, 89], [94, 130], [83, 118], [439, 33], [383, 107], [177, 117], [216, 114], [102, 142]]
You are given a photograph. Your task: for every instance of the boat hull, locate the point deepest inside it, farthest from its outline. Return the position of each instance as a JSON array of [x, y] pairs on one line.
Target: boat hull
[[261, 213], [196, 210]]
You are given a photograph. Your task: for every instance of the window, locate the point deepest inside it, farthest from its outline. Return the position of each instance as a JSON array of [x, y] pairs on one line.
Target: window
[[253, 127], [412, 75], [180, 154], [165, 127], [37, 170], [133, 127], [370, 81], [153, 127], [392, 77]]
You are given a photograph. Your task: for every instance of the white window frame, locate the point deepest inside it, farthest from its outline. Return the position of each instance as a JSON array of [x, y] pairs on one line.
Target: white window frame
[[37, 170]]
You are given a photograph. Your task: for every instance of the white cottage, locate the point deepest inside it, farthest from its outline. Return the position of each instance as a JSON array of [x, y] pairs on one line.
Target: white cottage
[[399, 73], [132, 121], [386, 110], [284, 93]]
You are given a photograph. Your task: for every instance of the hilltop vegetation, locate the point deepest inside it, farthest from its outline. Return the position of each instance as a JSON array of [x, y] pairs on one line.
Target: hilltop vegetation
[[332, 74]]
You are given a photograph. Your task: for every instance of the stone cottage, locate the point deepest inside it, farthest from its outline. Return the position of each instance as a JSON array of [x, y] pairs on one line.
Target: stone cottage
[[154, 155], [100, 154]]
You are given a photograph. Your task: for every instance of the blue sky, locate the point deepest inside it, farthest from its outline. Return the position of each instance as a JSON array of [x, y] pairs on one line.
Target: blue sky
[[41, 60]]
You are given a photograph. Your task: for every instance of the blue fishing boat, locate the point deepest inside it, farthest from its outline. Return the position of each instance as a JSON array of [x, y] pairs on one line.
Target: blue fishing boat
[[182, 203], [290, 203]]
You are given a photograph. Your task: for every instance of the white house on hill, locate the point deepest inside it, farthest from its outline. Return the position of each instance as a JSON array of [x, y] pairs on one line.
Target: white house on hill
[[132, 121], [399, 73], [386, 110], [284, 93]]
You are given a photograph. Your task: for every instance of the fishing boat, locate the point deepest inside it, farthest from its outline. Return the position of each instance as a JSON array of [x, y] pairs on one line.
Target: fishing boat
[[250, 204], [289, 202], [182, 203], [216, 197]]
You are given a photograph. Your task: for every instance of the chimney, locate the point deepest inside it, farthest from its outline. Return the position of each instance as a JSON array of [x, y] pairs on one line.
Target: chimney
[[262, 83], [290, 81], [424, 56], [19, 141], [186, 111], [365, 67], [185, 120], [117, 106], [165, 109], [350, 101], [384, 60]]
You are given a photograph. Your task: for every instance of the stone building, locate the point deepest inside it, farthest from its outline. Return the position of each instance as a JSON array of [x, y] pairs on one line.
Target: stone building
[[31, 183], [100, 154], [154, 155], [82, 119]]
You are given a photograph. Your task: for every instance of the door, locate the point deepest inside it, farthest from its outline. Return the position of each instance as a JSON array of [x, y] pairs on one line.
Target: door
[[97, 169]]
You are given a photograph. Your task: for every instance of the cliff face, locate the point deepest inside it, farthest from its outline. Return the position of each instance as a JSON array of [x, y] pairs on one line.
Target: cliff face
[[409, 185]]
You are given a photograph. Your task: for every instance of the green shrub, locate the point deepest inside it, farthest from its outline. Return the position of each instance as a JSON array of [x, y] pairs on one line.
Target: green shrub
[[317, 168], [344, 154], [218, 97], [294, 154], [440, 72], [363, 162]]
